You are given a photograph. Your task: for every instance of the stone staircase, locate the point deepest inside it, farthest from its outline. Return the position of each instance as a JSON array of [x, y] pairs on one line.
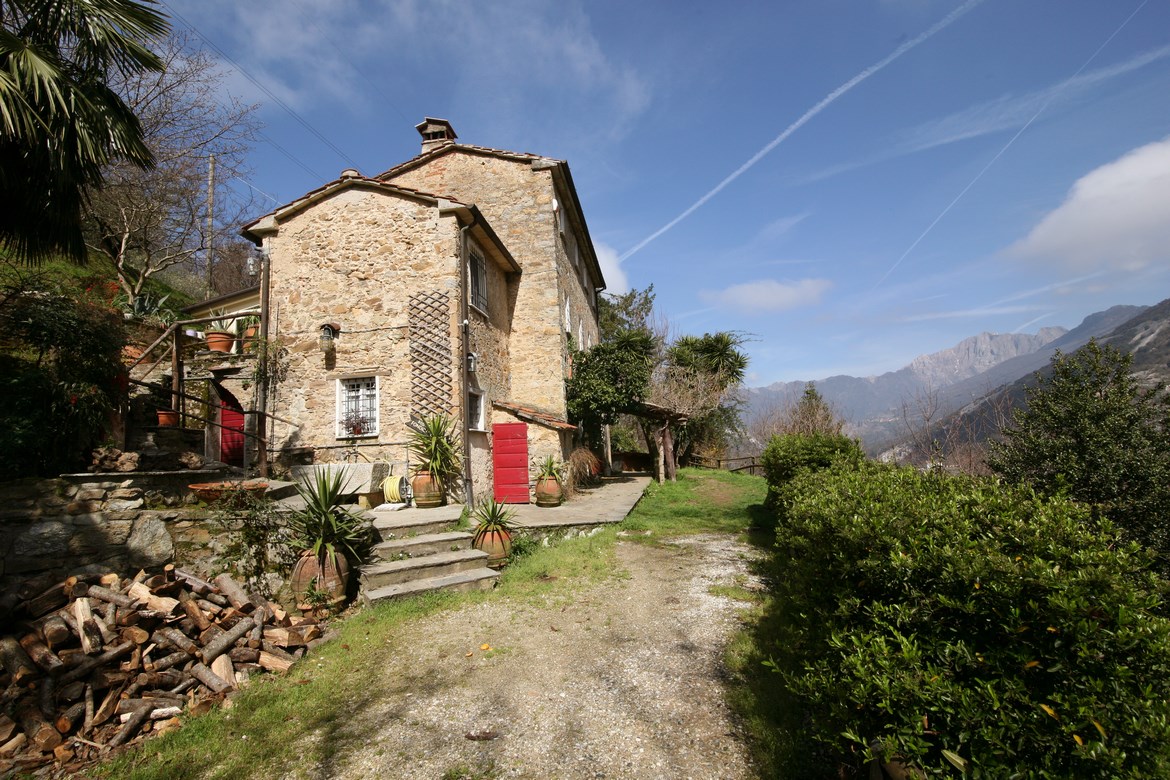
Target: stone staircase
[[420, 552]]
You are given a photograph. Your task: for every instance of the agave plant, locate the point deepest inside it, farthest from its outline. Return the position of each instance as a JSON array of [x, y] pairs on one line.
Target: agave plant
[[325, 527], [434, 448], [493, 531]]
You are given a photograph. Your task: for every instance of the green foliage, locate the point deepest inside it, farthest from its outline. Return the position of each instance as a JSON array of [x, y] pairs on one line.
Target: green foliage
[[490, 516], [325, 526], [1092, 433], [61, 120], [629, 311], [958, 623], [812, 414], [433, 443], [257, 533], [549, 469], [60, 374], [609, 379], [787, 457], [717, 354]]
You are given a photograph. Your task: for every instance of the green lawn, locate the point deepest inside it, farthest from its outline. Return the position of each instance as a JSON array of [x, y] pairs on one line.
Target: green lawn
[[264, 733]]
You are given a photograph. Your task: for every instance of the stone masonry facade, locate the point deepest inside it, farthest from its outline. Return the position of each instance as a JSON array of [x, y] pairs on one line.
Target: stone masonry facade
[[369, 254]]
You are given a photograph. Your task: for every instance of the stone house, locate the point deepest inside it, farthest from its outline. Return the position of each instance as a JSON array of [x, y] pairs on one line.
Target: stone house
[[456, 282]]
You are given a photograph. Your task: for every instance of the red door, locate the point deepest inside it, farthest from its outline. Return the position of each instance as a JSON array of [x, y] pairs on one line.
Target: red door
[[231, 435], [510, 462]]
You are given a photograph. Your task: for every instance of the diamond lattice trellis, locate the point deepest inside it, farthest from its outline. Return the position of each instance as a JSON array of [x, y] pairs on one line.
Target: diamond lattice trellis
[[429, 325]]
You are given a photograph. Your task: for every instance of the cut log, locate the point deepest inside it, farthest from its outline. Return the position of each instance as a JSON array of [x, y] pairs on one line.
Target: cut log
[[213, 681], [108, 678], [222, 643], [238, 597], [20, 667], [87, 723], [174, 659], [109, 596], [11, 746], [176, 639], [279, 616], [244, 655], [63, 754], [168, 678], [40, 732], [274, 663], [41, 655], [108, 705], [209, 607], [71, 692], [68, 719], [7, 727], [131, 726], [110, 581], [222, 667], [135, 634], [193, 611], [81, 613], [126, 706], [213, 632], [143, 594], [272, 649], [92, 641], [49, 600], [83, 668], [55, 631]]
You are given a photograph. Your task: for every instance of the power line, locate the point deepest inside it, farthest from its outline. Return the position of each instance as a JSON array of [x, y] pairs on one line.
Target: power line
[[296, 160], [244, 71]]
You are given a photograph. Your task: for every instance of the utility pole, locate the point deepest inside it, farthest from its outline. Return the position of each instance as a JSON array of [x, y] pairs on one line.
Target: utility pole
[[210, 222]]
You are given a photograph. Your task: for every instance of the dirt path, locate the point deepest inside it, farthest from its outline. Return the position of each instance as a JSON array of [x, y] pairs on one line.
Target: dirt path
[[623, 681]]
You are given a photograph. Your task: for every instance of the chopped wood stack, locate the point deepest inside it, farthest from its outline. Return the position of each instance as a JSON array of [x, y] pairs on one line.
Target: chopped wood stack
[[101, 661]]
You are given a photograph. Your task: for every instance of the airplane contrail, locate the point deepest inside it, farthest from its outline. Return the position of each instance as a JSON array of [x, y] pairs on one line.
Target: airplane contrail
[[1007, 146], [804, 119]]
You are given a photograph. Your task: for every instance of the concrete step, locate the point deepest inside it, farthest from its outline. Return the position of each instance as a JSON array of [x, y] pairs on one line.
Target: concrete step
[[470, 579], [377, 575], [423, 544], [399, 525]]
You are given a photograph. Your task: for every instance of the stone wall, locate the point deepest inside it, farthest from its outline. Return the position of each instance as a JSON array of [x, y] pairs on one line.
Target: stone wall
[[354, 259], [97, 523]]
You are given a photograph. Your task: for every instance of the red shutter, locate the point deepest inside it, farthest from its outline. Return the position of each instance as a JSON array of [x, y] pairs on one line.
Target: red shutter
[[510, 462]]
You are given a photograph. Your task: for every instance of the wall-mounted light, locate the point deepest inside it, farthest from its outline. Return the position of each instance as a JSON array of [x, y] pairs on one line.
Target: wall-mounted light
[[472, 362], [328, 338]]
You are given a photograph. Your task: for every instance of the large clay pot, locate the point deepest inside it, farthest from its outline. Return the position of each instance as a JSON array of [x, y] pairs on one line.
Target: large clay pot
[[549, 492], [328, 574], [497, 544], [427, 494], [167, 418], [219, 341]]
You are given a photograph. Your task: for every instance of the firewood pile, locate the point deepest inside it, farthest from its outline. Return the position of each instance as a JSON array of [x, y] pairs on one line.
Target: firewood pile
[[101, 661]]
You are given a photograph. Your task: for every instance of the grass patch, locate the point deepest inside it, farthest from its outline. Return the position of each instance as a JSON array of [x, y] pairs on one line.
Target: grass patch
[[303, 724]]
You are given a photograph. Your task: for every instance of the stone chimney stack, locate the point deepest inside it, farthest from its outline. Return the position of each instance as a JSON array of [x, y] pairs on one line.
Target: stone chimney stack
[[435, 132]]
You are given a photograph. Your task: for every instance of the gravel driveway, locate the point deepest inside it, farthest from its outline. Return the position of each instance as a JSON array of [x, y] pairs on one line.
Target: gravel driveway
[[623, 681]]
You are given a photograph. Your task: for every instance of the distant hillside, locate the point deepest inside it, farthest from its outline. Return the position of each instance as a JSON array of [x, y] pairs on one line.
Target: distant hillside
[[1145, 334], [948, 380]]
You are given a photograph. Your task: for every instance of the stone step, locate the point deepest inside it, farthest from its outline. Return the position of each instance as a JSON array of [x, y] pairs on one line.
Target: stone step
[[399, 525], [471, 579], [377, 575], [423, 544]]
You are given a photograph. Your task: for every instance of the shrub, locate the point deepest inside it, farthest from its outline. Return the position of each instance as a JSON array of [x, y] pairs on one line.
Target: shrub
[[970, 629], [789, 455]]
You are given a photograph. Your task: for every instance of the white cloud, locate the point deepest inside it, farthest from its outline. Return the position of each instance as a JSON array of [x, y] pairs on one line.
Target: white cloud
[[1115, 218], [768, 295], [616, 281]]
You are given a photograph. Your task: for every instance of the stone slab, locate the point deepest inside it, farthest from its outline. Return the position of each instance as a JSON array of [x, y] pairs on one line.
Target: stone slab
[[359, 477]]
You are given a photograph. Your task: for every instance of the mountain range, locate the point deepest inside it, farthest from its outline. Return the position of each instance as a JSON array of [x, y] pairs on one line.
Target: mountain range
[[882, 409]]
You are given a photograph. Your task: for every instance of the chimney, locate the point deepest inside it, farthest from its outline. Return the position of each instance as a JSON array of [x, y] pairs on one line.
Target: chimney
[[435, 133]]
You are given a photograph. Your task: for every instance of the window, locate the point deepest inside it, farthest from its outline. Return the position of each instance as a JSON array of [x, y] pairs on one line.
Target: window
[[357, 407], [477, 271], [475, 421]]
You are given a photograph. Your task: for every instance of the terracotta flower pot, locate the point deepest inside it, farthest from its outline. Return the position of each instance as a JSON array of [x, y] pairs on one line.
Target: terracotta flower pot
[[167, 418], [328, 575], [549, 492], [427, 494], [220, 341], [497, 544]]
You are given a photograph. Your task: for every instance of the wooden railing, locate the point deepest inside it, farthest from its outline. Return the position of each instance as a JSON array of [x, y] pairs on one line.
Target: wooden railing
[[750, 464]]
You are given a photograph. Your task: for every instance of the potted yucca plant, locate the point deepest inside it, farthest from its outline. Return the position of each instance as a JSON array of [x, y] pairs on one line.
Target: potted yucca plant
[[330, 538], [493, 531], [548, 482], [433, 443]]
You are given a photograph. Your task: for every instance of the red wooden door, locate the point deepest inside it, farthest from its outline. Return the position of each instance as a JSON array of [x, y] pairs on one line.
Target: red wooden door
[[510, 462], [231, 435]]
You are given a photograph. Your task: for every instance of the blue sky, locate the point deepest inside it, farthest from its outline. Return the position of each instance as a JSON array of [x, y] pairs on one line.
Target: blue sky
[[859, 181]]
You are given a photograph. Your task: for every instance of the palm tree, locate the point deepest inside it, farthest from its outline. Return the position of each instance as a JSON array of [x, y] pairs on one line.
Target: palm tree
[[60, 122]]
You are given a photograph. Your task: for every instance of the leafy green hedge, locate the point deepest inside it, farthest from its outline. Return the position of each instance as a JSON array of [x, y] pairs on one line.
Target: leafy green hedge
[[790, 455], [970, 628]]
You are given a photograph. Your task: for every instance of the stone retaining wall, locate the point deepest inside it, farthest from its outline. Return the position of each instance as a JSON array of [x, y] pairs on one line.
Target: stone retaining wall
[[51, 528]]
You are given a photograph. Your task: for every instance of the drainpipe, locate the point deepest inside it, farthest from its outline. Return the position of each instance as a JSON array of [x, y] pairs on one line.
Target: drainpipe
[[262, 385], [468, 490]]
